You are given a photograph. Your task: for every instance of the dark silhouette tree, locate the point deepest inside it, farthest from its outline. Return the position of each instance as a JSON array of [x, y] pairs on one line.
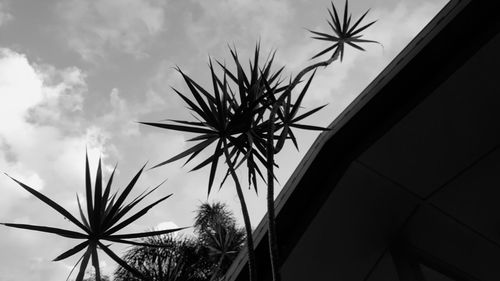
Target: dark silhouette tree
[[249, 117], [204, 257], [106, 214], [233, 122], [217, 231], [167, 258]]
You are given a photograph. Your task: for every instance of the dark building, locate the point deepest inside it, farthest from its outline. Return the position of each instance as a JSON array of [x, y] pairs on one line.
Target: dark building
[[406, 185]]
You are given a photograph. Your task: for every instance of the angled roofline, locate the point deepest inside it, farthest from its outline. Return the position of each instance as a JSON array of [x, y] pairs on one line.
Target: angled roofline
[[368, 117]]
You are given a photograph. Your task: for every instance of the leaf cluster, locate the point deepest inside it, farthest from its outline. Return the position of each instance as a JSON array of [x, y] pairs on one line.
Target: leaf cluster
[[106, 214], [173, 259], [344, 30], [217, 231], [206, 256], [235, 115]]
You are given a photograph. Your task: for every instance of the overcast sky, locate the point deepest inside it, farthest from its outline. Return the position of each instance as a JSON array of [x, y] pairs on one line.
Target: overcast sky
[[79, 73]]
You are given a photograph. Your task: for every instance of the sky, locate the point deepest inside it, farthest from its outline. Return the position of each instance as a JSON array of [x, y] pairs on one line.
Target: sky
[[77, 74]]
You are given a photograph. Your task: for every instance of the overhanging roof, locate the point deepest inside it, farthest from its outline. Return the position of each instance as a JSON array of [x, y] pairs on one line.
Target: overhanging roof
[[456, 33]]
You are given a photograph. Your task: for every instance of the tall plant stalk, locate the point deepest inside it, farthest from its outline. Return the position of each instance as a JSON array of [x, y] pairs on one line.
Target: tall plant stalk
[[246, 218], [272, 236], [344, 33], [271, 150]]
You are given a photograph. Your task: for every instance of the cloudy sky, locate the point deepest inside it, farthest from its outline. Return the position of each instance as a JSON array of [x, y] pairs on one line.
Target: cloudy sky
[[79, 73]]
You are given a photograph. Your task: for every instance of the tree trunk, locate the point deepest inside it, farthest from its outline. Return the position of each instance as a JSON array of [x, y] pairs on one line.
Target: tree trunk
[[273, 238], [246, 218]]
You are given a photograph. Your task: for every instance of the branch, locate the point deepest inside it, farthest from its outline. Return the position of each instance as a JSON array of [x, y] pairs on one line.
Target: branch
[[310, 68]]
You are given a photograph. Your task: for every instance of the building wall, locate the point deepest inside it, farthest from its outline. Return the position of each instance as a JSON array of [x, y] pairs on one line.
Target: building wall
[[430, 187], [352, 230]]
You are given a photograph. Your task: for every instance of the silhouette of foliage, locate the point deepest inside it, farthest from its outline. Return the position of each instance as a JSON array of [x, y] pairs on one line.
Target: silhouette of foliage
[[105, 216], [217, 231], [343, 32], [205, 257], [234, 120], [172, 259], [226, 116], [251, 115]]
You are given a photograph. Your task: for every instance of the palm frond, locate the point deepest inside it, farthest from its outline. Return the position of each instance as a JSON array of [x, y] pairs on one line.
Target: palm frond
[[343, 32], [104, 220], [226, 116]]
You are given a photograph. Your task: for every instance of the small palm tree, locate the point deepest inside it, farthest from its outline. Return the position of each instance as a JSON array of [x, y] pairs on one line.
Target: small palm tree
[[172, 259], [105, 217], [217, 231]]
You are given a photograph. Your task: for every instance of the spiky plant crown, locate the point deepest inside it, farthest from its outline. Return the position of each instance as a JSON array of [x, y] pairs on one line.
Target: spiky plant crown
[[106, 213]]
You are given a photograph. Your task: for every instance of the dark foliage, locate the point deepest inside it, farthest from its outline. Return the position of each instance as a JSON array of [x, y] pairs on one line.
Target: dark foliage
[[217, 231], [106, 214], [205, 257], [172, 259], [344, 32]]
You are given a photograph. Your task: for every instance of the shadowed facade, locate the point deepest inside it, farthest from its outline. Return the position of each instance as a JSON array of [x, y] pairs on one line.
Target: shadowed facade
[[406, 184]]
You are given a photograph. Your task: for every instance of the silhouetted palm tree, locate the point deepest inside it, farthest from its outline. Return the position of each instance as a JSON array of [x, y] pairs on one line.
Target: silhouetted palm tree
[[106, 215], [168, 258], [217, 231], [234, 121], [249, 116]]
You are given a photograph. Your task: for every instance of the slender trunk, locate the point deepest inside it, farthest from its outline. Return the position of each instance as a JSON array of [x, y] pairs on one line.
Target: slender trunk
[[217, 269], [95, 262], [246, 218], [272, 235], [273, 238], [312, 67]]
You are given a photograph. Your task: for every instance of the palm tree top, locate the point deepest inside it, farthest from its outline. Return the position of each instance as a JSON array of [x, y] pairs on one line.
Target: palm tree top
[[343, 32], [234, 116], [105, 217], [226, 116]]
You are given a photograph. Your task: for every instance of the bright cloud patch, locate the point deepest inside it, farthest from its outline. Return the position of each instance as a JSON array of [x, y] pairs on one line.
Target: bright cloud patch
[[37, 101], [21, 89], [167, 225], [5, 16], [95, 27], [35, 148]]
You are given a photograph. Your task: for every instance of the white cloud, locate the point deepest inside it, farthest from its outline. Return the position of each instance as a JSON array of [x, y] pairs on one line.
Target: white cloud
[[37, 149], [120, 116], [243, 22], [62, 96], [31, 149], [37, 101], [94, 28], [20, 89], [5, 16], [159, 95], [166, 225]]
